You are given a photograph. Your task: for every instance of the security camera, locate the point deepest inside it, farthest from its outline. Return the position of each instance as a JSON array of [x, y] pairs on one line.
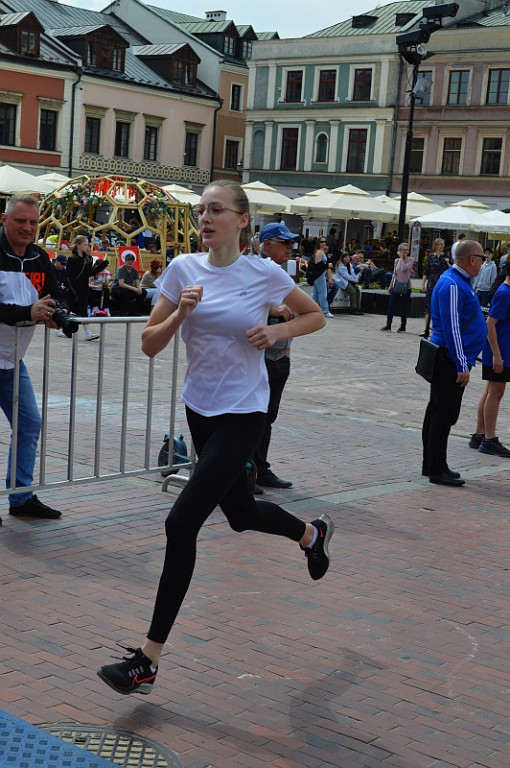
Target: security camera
[[440, 11], [417, 36]]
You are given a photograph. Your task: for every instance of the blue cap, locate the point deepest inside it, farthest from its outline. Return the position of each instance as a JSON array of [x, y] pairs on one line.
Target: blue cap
[[276, 229], [62, 259]]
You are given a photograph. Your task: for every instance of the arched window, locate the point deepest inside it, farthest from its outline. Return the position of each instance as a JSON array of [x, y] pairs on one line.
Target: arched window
[[321, 148]]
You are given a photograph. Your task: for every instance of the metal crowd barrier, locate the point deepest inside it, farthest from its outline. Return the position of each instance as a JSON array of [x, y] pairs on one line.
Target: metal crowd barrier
[[113, 405]]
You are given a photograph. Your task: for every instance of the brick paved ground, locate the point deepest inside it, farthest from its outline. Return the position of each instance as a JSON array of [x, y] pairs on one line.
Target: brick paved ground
[[398, 658]]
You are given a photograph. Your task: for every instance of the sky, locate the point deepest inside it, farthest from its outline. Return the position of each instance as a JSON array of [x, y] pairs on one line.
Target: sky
[[290, 18]]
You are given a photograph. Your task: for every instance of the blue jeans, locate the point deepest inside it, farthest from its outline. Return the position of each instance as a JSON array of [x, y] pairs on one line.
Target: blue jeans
[[319, 293], [29, 427]]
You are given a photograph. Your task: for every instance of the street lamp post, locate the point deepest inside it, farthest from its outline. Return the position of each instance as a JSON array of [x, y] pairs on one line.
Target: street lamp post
[[411, 46]]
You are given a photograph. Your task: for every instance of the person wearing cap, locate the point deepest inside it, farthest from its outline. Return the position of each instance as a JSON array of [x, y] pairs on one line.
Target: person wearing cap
[[276, 243], [127, 292], [59, 266]]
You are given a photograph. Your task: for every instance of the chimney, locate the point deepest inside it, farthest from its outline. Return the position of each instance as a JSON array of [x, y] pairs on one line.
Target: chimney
[[216, 15]]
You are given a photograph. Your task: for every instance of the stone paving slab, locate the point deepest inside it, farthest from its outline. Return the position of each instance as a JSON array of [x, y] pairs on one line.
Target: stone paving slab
[[398, 658]]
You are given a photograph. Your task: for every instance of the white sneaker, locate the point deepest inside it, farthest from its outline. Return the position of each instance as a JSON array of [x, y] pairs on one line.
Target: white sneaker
[[90, 336], [328, 314], [60, 333]]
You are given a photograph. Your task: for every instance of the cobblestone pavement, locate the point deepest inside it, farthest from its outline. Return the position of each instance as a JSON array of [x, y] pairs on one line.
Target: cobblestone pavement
[[398, 658]]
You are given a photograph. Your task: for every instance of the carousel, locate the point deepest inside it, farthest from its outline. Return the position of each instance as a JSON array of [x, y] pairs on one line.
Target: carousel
[[114, 211]]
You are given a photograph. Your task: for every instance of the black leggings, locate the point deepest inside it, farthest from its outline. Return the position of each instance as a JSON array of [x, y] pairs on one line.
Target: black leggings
[[223, 444]]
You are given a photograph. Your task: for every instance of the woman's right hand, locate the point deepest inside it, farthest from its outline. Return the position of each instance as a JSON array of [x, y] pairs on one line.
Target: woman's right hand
[[190, 297]]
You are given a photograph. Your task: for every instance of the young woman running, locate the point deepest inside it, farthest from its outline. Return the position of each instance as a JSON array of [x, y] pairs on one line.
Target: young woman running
[[221, 300]]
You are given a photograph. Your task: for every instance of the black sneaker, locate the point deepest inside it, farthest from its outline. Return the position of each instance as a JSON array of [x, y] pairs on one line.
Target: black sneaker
[[493, 447], [318, 555], [476, 441], [386, 328], [133, 675], [35, 508], [270, 480]]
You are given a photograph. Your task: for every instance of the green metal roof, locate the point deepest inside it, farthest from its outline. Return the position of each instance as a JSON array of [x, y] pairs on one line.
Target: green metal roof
[[267, 35], [384, 23], [204, 26]]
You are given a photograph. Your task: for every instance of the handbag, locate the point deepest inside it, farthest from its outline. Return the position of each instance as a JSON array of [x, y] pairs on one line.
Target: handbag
[[400, 288], [431, 354], [428, 358]]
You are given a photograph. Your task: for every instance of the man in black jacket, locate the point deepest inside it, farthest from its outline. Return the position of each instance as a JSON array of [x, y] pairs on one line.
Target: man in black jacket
[[28, 288]]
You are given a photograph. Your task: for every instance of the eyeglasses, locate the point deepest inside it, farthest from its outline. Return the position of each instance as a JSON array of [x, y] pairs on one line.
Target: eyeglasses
[[479, 256], [287, 243], [213, 209], [322, 241]]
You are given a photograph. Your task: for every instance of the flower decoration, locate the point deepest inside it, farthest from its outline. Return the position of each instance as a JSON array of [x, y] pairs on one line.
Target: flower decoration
[[83, 196], [156, 207]]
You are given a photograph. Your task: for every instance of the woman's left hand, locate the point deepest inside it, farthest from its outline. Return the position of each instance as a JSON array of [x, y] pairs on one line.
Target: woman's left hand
[[262, 336]]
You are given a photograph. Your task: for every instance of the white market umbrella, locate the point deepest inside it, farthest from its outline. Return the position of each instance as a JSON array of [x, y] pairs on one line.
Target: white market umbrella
[[418, 205], [265, 199], [500, 220], [457, 217], [55, 179], [182, 194], [16, 182], [347, 202]]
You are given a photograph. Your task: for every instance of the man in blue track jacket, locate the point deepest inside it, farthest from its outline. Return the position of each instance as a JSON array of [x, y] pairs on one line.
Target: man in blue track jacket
[[459, 329]]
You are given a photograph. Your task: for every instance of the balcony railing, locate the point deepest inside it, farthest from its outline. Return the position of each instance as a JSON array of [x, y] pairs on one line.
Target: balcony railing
[[154, 172]]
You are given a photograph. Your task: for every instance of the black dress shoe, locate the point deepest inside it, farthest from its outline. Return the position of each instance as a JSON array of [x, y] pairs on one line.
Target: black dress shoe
[[271, 480], [33, 507], [257, 490], [445, 478], [425, 473]]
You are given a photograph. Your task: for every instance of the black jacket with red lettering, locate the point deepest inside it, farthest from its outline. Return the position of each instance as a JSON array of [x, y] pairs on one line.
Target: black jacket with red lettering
[[22, 282]]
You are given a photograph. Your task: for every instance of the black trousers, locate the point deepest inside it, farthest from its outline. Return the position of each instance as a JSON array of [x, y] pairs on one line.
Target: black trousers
[[442, 413], [278, 372], [223, 444], [402, 302]]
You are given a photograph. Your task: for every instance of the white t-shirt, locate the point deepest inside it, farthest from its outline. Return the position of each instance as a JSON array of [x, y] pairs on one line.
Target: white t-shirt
[[225, 374]]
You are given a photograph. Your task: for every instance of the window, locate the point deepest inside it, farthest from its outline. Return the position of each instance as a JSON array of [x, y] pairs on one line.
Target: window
[[229, 45], [231, 154], [289, 149], [122, 139], [118, 59], [246, 54], [458, 87], [92, 54], [29, 42], [491, 157], [7, 124], [235, 97], [327, 84], [497, 87], [356, 150], [294, 85], [150, 144], [184, 71], [48, 130], [92, 134], [451, 157], [416, 160], [424, 98], [362, 85], [321, 148], [191, 148]]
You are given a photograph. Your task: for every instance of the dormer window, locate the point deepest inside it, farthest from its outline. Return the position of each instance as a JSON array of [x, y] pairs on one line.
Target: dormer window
[[29, 42], [21, 32], [246, 49], [229, 45], [99, 46], [401, 19]]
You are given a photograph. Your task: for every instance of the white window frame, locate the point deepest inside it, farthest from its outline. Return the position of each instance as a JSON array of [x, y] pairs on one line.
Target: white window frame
[[446, 84], [450, 134], [316, 79], [241, 99], [239, 143], [11, 97], [315, 145], [345, 148], [352, 72], [279, 141], [490, 133], [485, 85], [285, 73]]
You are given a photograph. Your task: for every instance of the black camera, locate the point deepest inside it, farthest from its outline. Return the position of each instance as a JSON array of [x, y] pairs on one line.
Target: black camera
[[63, 321]]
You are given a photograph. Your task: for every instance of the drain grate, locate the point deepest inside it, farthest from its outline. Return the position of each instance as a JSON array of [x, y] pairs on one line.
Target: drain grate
[[123, 748]]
